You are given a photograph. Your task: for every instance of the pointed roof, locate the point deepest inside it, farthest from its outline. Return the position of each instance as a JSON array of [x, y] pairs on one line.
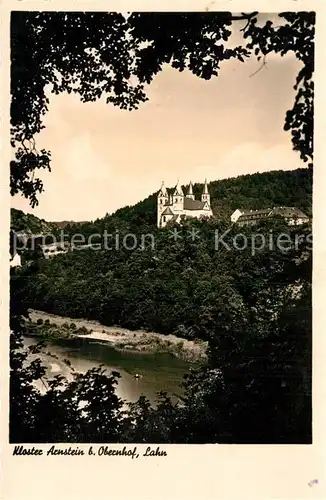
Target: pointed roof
[[190, 190], [163, 191], [205, 191], [190, 204], [167, 211], [178, 190]]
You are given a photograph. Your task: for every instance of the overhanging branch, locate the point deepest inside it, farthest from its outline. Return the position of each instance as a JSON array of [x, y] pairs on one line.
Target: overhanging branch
[[244, 17]]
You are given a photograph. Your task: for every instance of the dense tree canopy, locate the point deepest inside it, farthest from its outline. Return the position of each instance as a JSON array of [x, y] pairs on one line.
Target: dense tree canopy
[[254, 309], [251, 192], [114, 56]]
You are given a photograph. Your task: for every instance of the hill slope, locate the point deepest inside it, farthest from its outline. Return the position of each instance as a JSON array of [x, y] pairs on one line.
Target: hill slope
[[251, 191], [28, 223]]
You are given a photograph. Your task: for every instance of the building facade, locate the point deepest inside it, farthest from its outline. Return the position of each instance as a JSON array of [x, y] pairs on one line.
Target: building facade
[[52, 250], [171, 208], [292, 215], [15, 260]]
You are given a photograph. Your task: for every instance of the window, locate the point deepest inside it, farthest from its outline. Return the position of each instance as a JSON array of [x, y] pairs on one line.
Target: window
[[163, 218]]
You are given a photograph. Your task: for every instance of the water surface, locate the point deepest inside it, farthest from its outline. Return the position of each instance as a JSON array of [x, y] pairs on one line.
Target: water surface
[[158, 372]]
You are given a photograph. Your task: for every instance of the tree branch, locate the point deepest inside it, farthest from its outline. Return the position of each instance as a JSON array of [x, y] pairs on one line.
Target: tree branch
[[260, 68], [244, 16]]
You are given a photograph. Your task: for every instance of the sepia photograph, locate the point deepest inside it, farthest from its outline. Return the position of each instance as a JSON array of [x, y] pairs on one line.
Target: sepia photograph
[[161, 182]]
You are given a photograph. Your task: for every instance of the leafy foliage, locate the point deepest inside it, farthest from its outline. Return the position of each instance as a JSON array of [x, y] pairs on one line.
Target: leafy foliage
[[254, 310], [116, 56], [28, 223], [296, 35]]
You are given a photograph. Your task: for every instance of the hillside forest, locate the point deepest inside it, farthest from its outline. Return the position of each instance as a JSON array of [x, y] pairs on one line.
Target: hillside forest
[[254, 310]]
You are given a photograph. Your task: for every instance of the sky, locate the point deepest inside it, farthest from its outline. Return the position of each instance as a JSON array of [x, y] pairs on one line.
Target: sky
[[104, 158]]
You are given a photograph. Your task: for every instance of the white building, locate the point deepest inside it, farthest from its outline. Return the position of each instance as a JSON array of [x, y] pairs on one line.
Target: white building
[[15, 260], [52, 250], [292, 215], [173, 207]]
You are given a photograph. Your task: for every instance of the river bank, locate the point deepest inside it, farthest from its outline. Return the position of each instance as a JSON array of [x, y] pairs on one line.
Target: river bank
[[69, 356], [45, 324]]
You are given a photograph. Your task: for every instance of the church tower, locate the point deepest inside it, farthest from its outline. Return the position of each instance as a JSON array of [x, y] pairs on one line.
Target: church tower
[[177, 198], [162, 201], [206, 196], [190, 192]]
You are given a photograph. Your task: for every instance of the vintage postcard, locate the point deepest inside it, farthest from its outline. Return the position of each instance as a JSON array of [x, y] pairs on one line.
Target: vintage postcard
[[161, 220]]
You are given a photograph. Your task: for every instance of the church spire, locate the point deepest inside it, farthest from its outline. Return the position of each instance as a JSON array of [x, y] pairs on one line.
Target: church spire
[[177, 190], [205, 196], [162, 201], [163, 191], [205, 191], [190, 192]]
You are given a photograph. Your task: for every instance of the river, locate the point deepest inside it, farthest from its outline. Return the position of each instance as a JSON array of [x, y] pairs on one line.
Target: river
[[158, 372]]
